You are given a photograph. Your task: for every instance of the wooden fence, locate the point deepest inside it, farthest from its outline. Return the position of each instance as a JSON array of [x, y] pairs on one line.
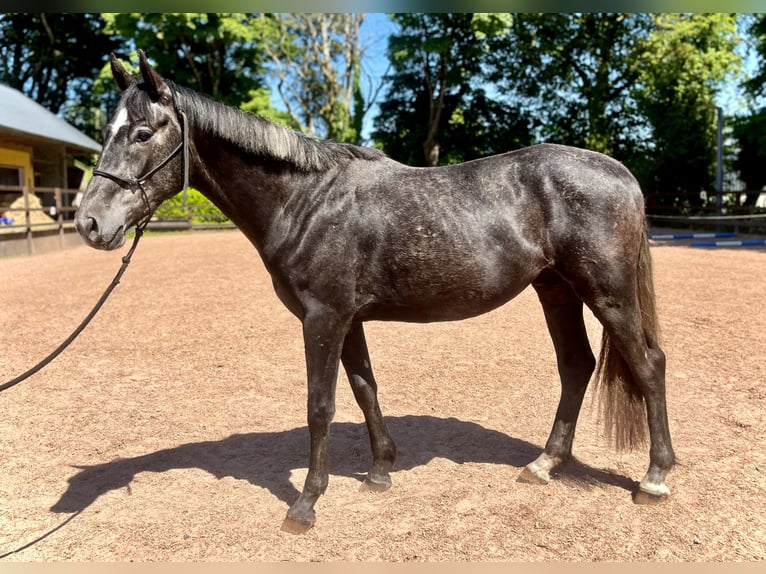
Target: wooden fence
[[42, 219], [35, 220]]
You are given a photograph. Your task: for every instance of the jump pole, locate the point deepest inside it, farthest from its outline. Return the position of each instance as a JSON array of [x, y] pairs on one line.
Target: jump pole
[[720, 234], [743, 243]]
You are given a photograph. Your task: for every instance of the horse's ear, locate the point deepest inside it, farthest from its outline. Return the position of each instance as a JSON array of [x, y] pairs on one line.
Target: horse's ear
[[120, 75], [158, 89]]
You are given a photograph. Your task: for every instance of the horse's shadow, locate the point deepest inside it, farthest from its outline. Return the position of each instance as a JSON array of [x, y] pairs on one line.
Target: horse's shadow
[[266, 459]]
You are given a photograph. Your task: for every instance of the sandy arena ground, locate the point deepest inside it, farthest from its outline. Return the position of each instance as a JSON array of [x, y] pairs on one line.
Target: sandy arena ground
[[174, 428]]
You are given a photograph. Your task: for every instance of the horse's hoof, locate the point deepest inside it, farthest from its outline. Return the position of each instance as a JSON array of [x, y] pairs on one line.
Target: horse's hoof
[[297, 525], [643, 497], [529, 477], [375, 484]]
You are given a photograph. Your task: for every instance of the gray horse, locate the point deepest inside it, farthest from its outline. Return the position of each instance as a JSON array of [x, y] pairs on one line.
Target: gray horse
[[349, 235]]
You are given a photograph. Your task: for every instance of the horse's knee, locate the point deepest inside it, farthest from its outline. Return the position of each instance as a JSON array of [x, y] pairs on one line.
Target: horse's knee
[[320, 415]]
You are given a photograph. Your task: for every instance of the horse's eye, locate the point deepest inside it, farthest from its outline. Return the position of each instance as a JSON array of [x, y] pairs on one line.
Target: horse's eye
[[143, 136]]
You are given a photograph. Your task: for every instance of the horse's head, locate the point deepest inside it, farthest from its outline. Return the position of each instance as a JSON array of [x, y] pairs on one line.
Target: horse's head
[[141, 163]]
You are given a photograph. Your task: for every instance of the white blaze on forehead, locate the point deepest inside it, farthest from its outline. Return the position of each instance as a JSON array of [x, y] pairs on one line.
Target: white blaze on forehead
[[119, 120]]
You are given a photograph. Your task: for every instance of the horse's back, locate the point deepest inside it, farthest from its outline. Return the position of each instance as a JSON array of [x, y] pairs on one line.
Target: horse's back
[[537, 194], [571, 184]]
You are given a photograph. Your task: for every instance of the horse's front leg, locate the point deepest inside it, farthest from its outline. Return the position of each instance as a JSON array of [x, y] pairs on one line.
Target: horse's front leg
[[323, 334]]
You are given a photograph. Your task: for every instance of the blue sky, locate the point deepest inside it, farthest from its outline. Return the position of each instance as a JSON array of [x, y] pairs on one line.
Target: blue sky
[[373, 38]]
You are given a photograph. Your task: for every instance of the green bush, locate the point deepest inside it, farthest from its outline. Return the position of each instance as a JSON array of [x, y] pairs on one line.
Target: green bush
[[199, 209]]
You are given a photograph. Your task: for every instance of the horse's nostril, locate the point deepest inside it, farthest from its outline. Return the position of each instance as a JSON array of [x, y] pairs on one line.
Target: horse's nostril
[[86, 225]]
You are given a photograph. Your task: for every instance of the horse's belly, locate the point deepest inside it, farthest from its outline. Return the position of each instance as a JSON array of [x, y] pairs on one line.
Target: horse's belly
[[448, 291], [429, 312]]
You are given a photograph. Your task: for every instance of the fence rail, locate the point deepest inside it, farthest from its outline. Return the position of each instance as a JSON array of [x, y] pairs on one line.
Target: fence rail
[[707, 212], [41, 220], [44, 219], [704, 202]]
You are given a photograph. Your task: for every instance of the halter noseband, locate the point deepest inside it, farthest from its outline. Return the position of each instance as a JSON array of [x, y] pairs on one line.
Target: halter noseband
[[134, 183]]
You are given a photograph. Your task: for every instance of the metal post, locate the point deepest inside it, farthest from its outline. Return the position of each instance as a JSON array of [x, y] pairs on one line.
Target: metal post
[[719, 168]]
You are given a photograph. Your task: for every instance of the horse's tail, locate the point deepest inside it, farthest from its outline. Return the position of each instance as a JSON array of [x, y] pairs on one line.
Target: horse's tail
[[621, 402]]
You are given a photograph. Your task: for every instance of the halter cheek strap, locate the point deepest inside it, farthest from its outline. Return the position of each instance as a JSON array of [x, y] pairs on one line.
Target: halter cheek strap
[[137, 183]]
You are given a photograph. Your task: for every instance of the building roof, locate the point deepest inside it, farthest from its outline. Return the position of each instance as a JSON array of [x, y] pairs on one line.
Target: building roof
[[20, 114]]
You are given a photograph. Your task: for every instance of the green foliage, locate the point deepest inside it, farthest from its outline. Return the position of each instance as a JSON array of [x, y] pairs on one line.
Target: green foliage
[[198, 209], [259, 103], [696, 51], [490, 24], [573, 74], [462, 85], [315, 61], [683, 63], [218, 54], [749, 130], [756, 30], [635, 86], [750, 134]]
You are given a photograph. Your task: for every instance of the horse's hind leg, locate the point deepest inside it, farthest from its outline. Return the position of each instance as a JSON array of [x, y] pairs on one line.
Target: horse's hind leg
[[356, 361], [564, 317], [631, 372], [644, 370]]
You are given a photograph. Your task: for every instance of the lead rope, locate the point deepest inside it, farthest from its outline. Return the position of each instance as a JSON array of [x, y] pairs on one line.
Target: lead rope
[[39, 366], [125, 262]]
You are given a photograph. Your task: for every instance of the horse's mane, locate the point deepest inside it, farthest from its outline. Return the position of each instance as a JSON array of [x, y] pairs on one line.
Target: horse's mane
[[259, 136]]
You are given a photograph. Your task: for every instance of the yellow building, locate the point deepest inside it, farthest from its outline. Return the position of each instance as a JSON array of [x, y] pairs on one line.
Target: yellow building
[[37, 167], [16, 165]]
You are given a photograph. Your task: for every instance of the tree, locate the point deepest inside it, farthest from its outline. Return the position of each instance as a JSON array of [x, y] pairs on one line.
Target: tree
[[435, 98], [749, 130], [573, 73], [218, 54], [316, 63], [53, 58], [684, 62], [756, 86], [638, 87], [750, 134]]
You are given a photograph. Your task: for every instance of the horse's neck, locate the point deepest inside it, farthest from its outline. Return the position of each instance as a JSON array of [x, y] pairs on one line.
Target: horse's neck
[[251, 191]]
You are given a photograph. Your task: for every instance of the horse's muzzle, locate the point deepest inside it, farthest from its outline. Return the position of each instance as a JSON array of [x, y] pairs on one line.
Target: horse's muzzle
[[95, 236]]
